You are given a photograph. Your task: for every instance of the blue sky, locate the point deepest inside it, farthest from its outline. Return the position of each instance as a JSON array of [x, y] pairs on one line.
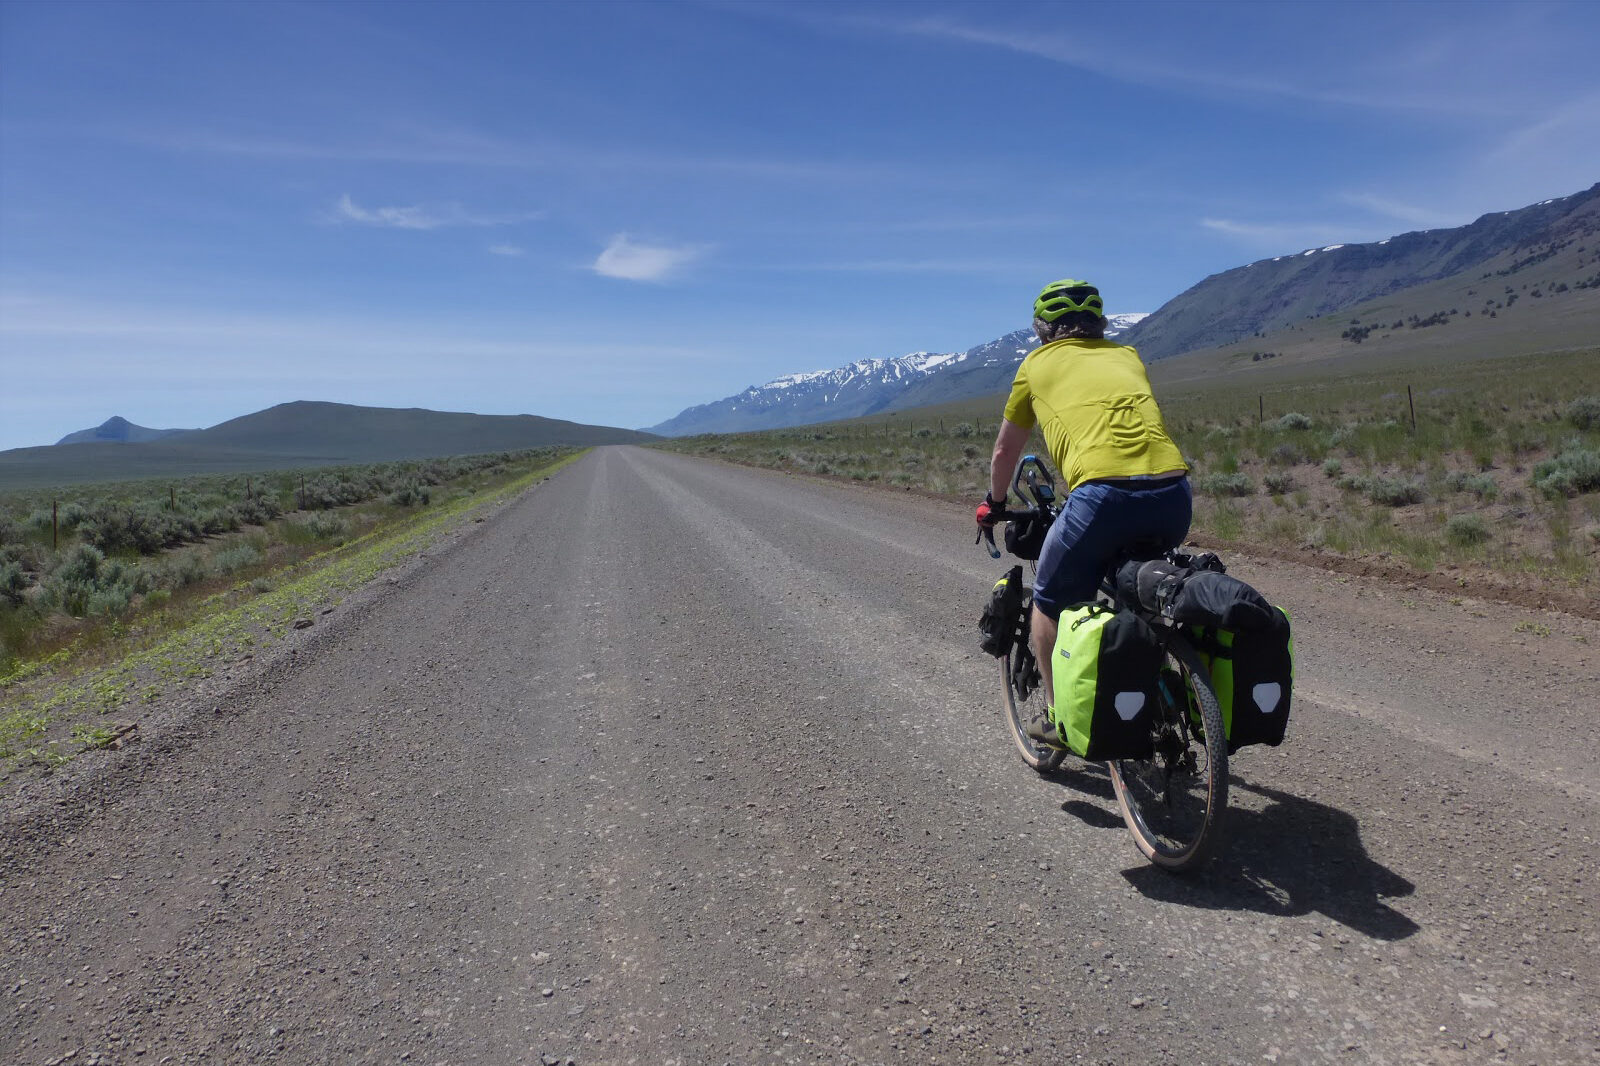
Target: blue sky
[[610, 211]]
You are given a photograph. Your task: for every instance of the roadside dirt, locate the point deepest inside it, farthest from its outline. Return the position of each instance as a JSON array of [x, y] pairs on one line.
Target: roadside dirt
[[703, 765]]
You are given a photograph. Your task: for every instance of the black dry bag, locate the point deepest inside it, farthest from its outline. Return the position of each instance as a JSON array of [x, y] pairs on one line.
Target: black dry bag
[[1002, 614]]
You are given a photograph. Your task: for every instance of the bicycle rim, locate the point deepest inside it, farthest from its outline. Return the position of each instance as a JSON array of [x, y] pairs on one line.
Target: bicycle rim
[[1020, 709], [1174, 800]]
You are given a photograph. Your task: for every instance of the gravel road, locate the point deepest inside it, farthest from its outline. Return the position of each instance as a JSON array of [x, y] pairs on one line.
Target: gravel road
[[676, 762]]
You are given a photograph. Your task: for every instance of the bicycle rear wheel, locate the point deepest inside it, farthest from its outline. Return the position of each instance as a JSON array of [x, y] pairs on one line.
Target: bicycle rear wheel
[[1019, 680], [1174, 800]]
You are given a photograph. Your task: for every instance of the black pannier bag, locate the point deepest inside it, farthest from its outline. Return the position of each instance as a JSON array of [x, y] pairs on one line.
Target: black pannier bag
[[1002, 614], [1253, 675], [1191, 596], [1148, 584], [1025, 536], [1207, 598]]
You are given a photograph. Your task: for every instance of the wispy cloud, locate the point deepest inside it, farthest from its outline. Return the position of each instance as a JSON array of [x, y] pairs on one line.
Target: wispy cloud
[[1409, 214], [973, 267], [466, 147], [505, 249], [421, 216], [1280, 237], [1083, 53], [635, 261], [1566, 143]]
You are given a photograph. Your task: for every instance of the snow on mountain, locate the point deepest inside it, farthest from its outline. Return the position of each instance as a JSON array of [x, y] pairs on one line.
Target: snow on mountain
[[867, 386]]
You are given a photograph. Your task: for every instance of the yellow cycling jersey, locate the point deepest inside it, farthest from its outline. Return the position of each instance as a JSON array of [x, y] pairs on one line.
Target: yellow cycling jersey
[[1092, 398]]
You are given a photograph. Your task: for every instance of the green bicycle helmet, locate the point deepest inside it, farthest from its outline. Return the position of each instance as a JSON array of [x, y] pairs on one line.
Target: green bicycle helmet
[[1059, 297]]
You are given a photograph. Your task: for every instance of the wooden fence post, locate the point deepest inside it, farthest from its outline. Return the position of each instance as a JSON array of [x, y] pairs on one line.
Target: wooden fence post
[[1261, 409], [1413, 405], [55, 525]]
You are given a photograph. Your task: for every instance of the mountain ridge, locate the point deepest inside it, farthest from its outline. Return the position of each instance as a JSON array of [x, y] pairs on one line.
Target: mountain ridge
[[1280, 291], [1267, 296], [864, 387]]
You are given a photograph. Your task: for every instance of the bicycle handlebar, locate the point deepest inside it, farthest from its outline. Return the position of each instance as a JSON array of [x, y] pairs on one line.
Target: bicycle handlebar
[[987, 532], [1031, 477]]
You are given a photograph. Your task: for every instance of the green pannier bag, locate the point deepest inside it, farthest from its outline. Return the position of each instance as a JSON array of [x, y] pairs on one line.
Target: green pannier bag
[[1105, 670], [1253, 674]]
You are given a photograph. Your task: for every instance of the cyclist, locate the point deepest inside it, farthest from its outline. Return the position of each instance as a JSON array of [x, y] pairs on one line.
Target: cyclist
[[1125, 478]]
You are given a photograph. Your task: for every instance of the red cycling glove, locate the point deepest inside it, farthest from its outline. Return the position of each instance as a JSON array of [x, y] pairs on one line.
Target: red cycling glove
[[989, 512]]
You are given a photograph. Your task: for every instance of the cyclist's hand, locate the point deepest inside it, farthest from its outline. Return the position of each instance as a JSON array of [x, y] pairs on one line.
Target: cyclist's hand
[[989, 512]]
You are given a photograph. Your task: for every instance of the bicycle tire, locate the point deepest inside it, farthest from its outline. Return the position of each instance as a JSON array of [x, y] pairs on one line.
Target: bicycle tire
[[1022, 701], [1175, 801]]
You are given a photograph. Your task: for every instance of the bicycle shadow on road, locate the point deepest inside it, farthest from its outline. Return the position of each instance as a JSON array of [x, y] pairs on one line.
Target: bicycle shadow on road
[[1090, 778], [1291, 858]]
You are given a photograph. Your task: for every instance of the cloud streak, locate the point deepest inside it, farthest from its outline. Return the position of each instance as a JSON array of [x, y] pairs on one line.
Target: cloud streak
[[1118, 63], [1282, 236], [633, 260], [465, 147], [1409, 214], [421, 216]]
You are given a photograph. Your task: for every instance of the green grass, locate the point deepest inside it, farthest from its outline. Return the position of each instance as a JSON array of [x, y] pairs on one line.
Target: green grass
[[73, 559], [53, 708], [1508, 444]]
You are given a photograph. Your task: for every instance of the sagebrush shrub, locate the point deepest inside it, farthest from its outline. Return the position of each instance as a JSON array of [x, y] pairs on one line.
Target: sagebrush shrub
[[81, 562], [322, 526], [1483, 486], [85, 583], [1466, 529], [1394, 492], [1575, 470], [1584, 412], [236, 558], [13, 581], [181, 572], [1224, 484]]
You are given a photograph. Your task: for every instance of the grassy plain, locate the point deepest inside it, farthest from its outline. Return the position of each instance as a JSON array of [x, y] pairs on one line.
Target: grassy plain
[[1498, 481], [79, 686]]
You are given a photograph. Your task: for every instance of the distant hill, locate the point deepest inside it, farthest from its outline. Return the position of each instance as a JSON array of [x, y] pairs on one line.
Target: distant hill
[[348, 433], [304, 433], [119, 429], [1287, 289]]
